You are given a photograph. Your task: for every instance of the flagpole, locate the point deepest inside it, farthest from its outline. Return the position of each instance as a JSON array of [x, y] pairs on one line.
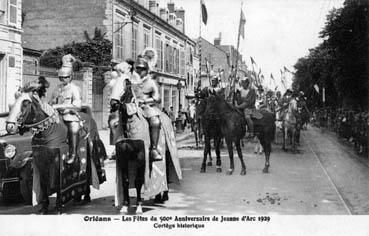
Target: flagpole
[[200, 58], [238, 44]]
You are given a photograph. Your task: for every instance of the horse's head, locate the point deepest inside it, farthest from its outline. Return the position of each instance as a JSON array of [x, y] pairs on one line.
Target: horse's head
[[25, 111], [214, 104]]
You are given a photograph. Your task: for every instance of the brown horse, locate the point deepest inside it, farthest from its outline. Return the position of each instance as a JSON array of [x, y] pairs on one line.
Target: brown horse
[[51, 173], [233, 125], [132, 153]]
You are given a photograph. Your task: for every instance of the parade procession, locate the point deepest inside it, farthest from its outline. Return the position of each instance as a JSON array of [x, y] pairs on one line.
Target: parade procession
[[138, 108]]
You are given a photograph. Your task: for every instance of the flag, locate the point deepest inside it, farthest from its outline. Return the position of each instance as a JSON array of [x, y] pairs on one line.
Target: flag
[[204, 12], [253, 62], [242, 24], [316, 87], [285, 69]]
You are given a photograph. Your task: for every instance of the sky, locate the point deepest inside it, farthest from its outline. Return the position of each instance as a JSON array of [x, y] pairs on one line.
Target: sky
[[277, 32]]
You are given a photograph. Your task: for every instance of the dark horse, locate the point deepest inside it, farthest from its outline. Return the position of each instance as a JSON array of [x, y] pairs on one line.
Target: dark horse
[[233, 125], [209, 126], [132, 155], [51, 172]]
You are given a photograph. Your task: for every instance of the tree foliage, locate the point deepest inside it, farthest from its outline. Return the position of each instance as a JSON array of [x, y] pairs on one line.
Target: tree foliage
[[340, 63], [95, 52]]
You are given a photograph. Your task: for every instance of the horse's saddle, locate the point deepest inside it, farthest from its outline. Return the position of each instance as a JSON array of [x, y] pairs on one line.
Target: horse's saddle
[[256, 114]]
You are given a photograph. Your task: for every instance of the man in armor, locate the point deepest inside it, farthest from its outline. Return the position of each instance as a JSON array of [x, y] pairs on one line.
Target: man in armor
[[148, 96], [213, 89], [66, 98], [247, 99]]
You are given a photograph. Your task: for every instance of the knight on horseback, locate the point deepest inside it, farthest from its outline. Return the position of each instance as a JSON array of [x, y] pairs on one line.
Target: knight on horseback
[[214, 88], [148, 96], [247, 99], [66, 98]]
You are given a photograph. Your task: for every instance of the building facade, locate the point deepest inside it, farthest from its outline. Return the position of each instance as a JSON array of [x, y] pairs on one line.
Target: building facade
[[213, 59], [131, 25], [10, 51]]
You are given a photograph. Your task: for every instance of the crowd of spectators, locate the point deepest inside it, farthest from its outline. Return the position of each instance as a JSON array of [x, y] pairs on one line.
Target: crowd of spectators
[[348, 124]]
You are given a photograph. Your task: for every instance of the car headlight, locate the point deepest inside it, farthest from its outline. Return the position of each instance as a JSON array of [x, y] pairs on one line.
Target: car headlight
[[9, 151]]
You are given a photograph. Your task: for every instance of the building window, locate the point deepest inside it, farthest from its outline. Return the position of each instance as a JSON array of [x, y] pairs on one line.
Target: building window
[[134, 42], [13, 12], [146, 38], [159, 49], [182, 63], [11, 61], [168, 59], [119, 40]]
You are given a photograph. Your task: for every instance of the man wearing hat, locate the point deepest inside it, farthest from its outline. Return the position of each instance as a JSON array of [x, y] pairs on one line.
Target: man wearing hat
[[67, 98], [148, 96], [247, 99]]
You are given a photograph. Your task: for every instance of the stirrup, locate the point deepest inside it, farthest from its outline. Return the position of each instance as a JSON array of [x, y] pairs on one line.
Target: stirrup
[[155, 156], [71, 159]]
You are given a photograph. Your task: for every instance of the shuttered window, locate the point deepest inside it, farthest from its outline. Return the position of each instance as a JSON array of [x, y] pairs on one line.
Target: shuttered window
[[13, 12]]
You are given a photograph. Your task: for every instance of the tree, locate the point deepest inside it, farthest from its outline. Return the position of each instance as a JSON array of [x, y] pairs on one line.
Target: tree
[[341, 62], [95, 52]]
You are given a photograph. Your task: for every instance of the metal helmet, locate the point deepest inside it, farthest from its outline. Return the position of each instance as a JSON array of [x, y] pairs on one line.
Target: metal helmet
[[67, 67], [142, 63]]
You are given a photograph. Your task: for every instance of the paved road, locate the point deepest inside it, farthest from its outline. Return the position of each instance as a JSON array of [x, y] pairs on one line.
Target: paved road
[[323, 178]]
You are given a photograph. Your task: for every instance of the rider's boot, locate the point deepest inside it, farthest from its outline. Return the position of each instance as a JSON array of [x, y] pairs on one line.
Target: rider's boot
[[73, 139], [154, 138], [250, 125]]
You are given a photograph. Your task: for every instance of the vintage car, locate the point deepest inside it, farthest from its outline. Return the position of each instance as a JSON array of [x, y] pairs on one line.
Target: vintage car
[[15, 166]]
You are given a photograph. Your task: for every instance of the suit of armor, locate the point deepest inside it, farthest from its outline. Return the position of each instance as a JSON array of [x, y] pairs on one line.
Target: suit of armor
[[247, 99], [67, 99], [147, 91]]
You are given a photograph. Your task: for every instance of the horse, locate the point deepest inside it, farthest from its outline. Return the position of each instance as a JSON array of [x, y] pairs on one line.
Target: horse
[[210, 128], [132, 155], [233, 127], [290, 126], [51, 173]]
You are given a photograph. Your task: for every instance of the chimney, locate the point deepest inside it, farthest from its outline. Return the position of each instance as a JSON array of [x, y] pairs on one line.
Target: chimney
[[217, 41], [171, 7], [180, 13]]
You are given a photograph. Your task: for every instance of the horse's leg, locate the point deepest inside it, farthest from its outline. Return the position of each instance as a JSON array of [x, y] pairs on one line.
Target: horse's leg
[[217, 142], [140, 177], [196, 135], [122, 161], [229, 143], [239, 153], [285, 136], [293, 139], [210, 162], [267, 150], [206, 150]]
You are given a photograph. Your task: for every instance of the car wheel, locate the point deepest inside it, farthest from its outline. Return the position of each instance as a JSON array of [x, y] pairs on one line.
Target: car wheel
[[26, 183]]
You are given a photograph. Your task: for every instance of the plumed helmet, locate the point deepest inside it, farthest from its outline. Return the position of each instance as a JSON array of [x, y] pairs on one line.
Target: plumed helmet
[[151, 57], [142, 63], [67, 67]]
